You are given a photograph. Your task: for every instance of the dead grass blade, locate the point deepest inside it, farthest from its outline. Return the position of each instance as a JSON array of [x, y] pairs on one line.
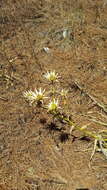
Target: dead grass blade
[[100, 105]]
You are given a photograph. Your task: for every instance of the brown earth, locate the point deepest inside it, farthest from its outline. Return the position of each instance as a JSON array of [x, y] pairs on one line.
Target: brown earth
[[35, 154]]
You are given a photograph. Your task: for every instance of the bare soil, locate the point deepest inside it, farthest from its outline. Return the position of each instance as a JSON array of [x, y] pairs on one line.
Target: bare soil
[[35, 154]]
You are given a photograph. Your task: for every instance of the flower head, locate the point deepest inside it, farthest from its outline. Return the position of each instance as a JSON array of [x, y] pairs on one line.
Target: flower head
[[30, 96], [53, 105], [37, 95], [64, 93], [51, 76], [40, 95]]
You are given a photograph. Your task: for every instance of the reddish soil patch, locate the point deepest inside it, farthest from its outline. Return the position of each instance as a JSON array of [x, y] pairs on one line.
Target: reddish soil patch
[[34, 155]]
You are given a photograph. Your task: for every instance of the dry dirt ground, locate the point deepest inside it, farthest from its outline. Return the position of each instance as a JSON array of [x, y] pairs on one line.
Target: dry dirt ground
[[34, 153]]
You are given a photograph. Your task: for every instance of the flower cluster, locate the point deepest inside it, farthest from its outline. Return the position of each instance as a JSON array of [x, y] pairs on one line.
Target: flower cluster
[[38, 96]]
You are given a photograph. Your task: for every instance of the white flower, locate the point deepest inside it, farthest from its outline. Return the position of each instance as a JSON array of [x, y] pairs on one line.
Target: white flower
[[29, 95], [37, 95], [40, 94], [53, 105], [51, 76], [64, 93]]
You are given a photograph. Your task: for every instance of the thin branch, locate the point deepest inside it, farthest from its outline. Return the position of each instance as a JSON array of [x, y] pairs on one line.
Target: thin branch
[[101, 105]]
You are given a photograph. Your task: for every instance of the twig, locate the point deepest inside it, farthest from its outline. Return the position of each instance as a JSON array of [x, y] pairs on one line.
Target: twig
[[94, 149], [91, 118], [99, 122], [4, 99], [91, 97], [57, 181], [10, 77]]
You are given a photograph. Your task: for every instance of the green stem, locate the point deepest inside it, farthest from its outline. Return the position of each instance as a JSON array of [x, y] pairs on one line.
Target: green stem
[[71, 123]]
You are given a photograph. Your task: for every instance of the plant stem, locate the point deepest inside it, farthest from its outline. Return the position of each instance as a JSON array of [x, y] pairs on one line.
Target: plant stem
[[71, 123]]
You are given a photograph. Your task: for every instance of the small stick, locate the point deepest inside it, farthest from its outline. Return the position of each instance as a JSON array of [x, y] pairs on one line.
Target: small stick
[[94, 149], [99, 122], [4, 99], [91, 97]]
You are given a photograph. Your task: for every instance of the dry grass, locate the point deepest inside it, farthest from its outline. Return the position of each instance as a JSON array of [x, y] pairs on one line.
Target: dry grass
[[34, 156]]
